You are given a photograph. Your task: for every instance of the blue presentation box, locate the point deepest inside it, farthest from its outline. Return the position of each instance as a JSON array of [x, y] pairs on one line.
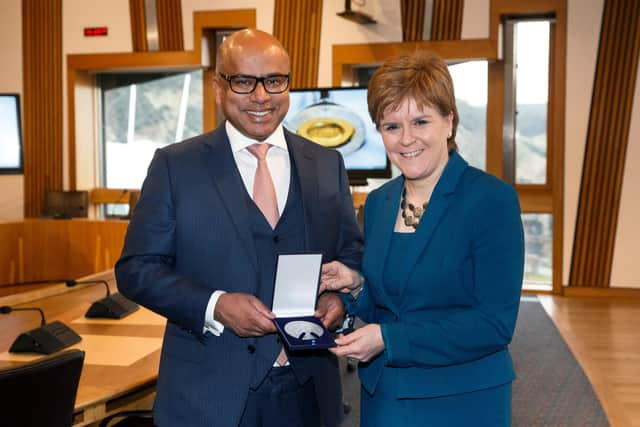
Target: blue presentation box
[[294, 302]]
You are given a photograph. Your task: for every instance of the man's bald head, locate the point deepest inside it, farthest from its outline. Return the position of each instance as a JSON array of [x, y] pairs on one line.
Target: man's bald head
[[248, 42]]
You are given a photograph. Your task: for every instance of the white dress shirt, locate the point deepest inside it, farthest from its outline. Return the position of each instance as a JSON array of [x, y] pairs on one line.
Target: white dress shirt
[[280, 169]]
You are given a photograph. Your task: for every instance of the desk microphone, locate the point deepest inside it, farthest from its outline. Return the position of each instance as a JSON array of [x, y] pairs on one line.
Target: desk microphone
[[113, 306], [47, 339]]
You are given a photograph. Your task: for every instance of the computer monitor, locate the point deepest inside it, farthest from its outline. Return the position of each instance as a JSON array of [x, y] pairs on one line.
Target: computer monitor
[[338, 118], [10, 134]]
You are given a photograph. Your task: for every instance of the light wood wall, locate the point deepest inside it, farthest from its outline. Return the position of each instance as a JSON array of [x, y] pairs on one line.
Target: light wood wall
[[606, 148], [42, 103], [296, 23], [58, 249]]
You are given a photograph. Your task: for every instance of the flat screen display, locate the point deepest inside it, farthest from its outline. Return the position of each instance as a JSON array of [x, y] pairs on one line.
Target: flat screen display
[[338, 118], [10, 134]]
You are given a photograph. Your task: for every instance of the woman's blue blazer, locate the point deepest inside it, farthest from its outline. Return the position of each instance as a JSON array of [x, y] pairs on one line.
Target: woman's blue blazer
[[449, 330]]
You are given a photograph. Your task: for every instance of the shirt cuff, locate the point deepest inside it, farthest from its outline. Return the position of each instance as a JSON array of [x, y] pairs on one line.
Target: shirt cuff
[[210, 324]]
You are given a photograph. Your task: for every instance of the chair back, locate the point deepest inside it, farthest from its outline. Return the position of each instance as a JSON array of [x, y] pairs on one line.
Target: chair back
[[41, 393], [66, 204]]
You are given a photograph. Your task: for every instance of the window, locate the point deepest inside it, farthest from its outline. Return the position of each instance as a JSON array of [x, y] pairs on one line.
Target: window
[[470, 84], [531, 96], [144, 112], [538, 236], [526, 140]]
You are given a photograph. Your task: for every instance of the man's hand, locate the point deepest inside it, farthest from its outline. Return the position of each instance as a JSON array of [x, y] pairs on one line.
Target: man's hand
[[362, 344], [244, 314], [338, 277], [330, 310]]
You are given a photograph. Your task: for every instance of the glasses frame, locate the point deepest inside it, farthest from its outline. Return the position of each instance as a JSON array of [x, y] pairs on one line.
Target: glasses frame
[[228, 78]]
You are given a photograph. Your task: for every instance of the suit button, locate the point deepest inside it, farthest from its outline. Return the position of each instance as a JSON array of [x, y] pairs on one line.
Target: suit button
[[276, 239], [251, 349]]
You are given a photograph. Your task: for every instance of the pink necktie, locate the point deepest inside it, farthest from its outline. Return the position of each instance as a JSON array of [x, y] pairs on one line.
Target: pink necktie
[[264, 196], [264, 192]]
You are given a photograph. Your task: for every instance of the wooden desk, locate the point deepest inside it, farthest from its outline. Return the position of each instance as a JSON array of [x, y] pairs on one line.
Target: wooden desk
[[36, 249], [109, 382]]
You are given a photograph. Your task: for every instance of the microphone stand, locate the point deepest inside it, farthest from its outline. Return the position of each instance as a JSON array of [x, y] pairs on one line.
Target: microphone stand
[[47, 339], [113, 306], [6, 310]]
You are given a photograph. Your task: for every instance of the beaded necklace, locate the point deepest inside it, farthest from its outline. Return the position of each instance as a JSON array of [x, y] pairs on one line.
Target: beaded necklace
[[410, 213]]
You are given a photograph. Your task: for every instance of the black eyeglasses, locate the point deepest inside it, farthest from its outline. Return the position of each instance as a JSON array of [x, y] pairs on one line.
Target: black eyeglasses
[[239, 83]]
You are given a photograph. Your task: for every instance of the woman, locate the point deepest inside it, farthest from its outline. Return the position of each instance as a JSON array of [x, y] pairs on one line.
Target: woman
[[442, 268]]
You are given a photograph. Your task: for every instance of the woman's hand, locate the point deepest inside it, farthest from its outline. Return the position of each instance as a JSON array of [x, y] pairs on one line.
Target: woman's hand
[[338, 277], [362, 344]]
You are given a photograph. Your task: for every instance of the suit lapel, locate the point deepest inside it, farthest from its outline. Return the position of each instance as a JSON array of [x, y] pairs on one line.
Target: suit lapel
[[308, 178], [438, 204], [383, 228], [219, 163]]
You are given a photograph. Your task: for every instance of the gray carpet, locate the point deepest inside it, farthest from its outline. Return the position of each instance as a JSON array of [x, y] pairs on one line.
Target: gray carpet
[[551, 389]]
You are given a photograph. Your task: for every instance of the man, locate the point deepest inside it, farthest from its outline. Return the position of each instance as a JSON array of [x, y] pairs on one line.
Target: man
[[202, 244]]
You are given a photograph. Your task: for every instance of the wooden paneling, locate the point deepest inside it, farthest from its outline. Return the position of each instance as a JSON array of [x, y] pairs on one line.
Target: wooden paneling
[[169, 24], [296, 24], [134, 62], [583, 291], [495, 108], [54, 249], [170, 34], [535, 199], [606, 145], [232, 19], [138, 26], [359, 199], [110, 195], [42, 103], [412, 13], [446, 21]]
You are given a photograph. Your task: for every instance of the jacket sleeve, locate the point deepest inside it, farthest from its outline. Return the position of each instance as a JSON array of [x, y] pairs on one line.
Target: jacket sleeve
[[362, 306], [144, 272], [350, 244], [459, 334]]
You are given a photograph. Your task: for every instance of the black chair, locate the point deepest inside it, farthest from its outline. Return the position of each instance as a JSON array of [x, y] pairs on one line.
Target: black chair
[[136, 418], [41, 393]]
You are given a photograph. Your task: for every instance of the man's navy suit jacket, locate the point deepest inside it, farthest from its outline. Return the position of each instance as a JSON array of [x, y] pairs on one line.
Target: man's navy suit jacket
[[190, 235]]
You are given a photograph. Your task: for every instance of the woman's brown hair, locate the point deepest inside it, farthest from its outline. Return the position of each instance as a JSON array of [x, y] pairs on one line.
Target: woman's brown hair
[[423, 76]]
